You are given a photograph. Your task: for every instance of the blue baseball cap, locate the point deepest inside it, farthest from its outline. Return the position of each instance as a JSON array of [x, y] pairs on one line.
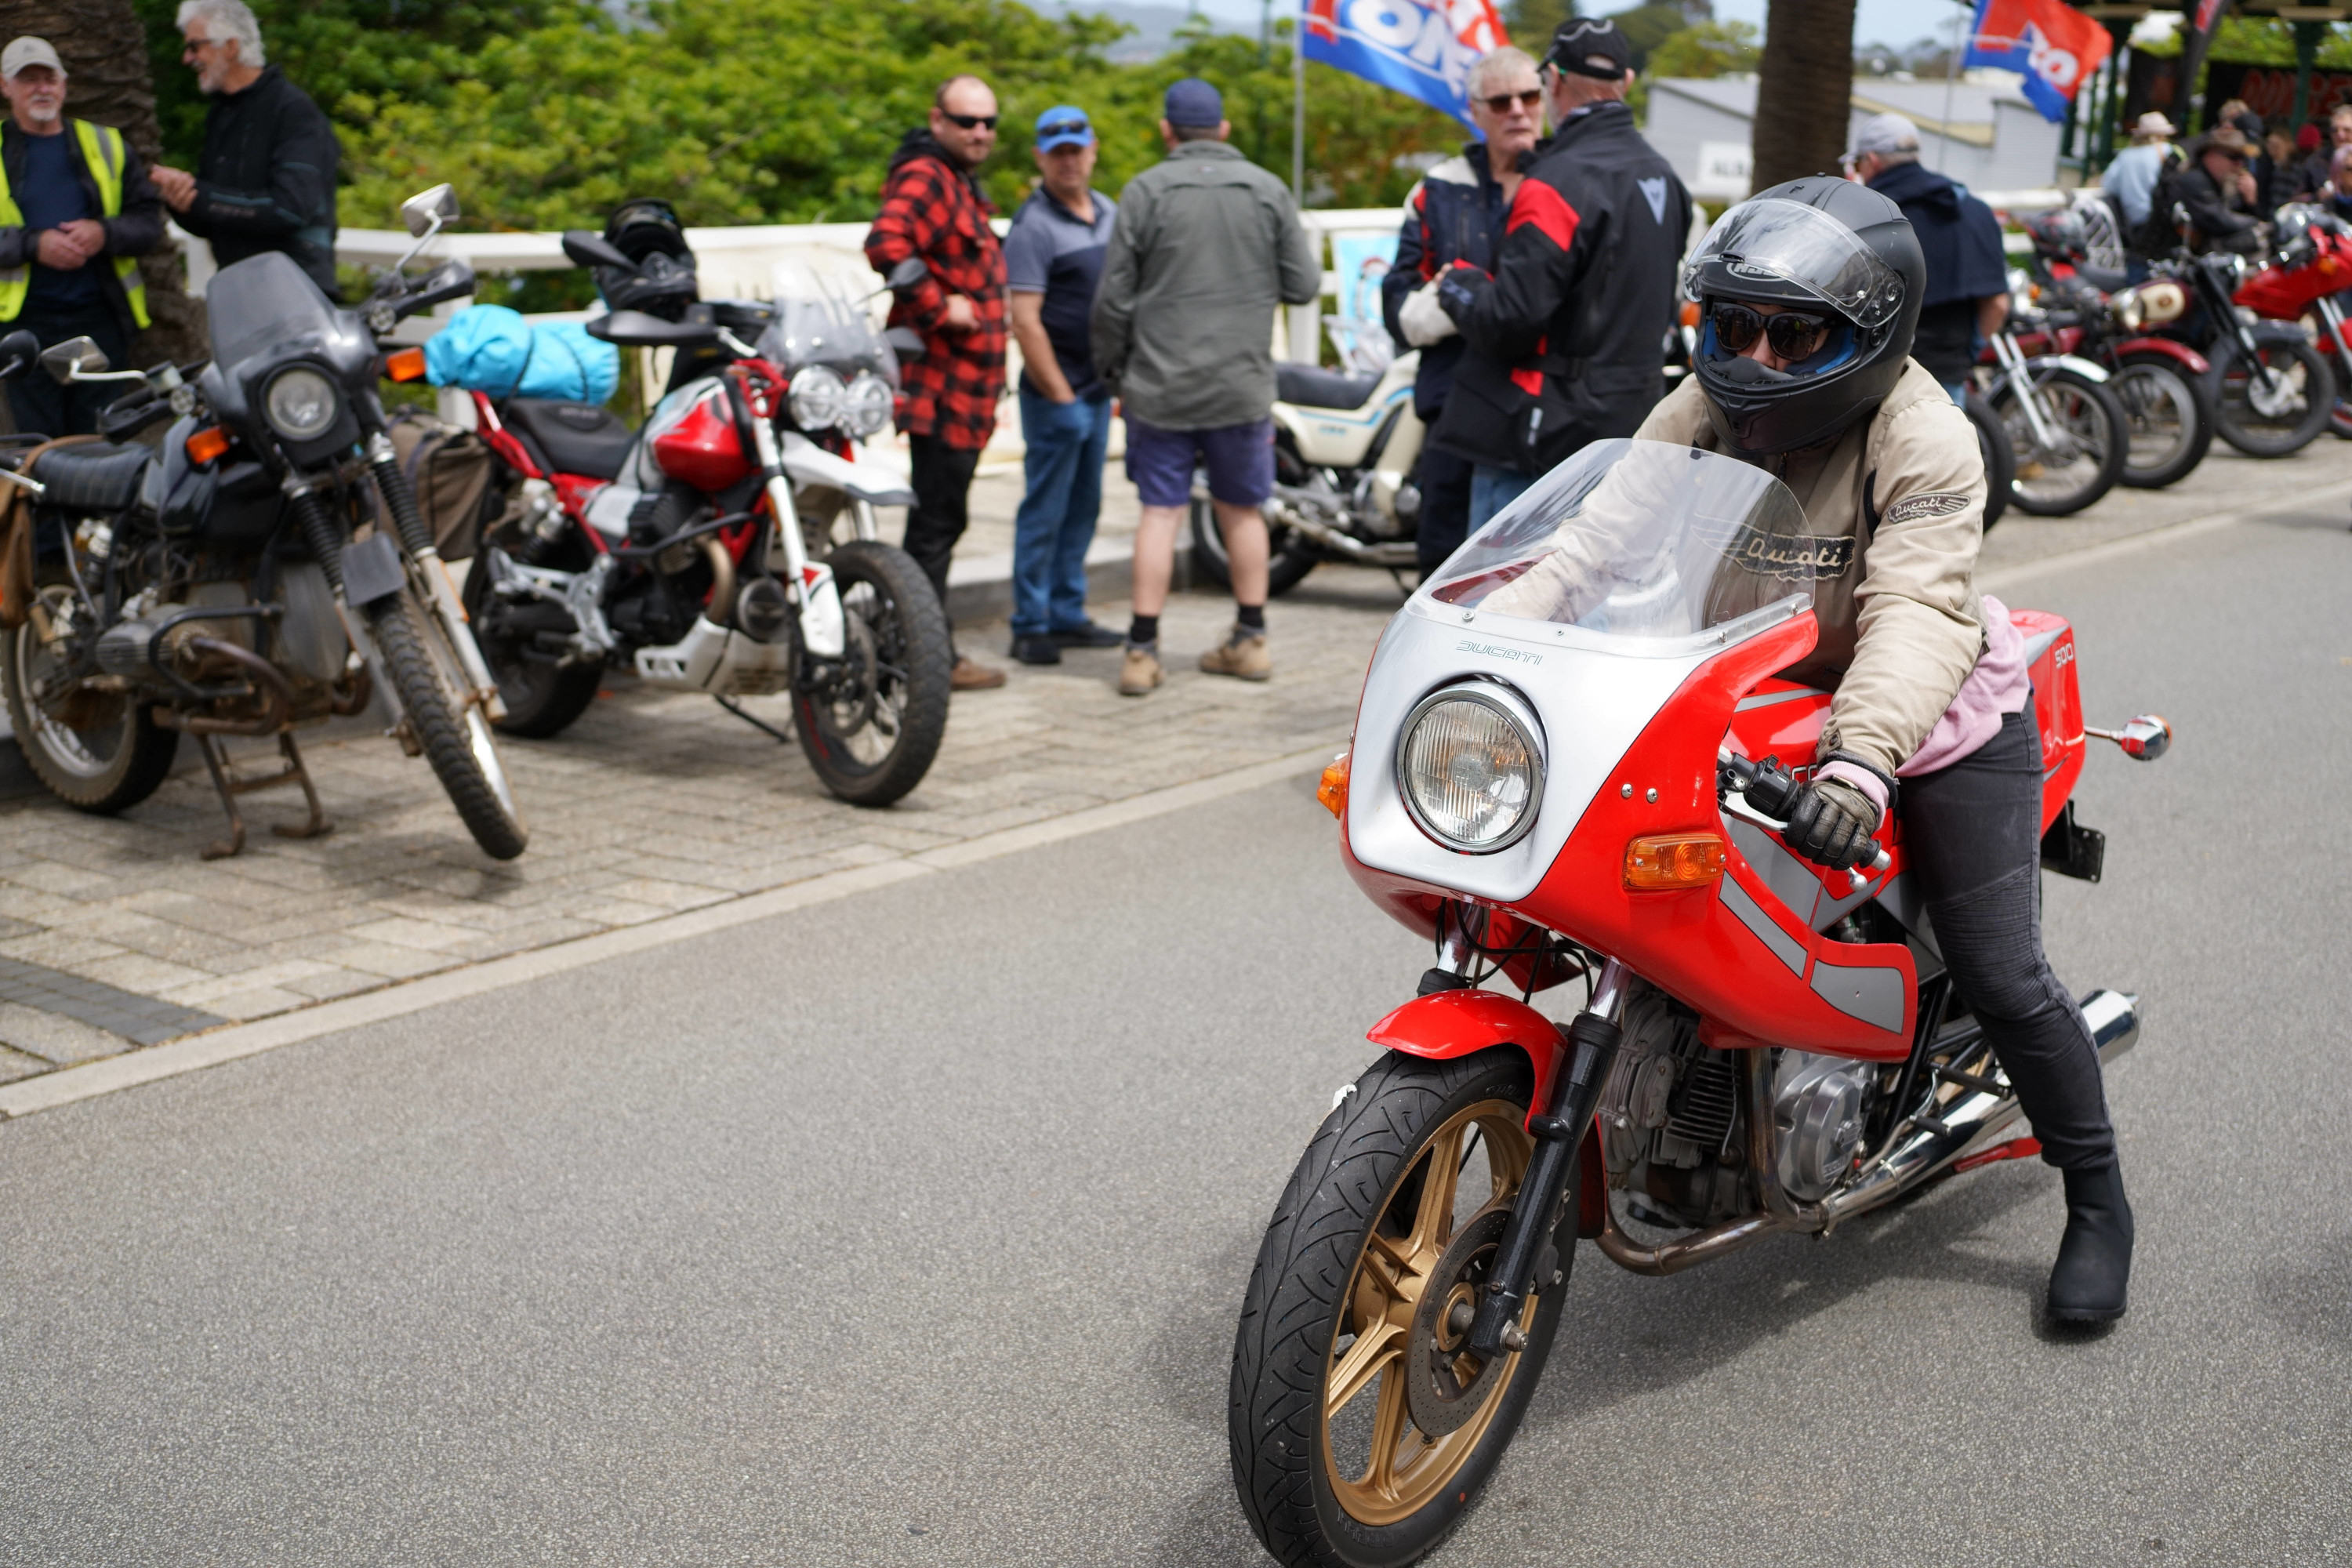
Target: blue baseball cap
[[1194, 102], [1064, 126]]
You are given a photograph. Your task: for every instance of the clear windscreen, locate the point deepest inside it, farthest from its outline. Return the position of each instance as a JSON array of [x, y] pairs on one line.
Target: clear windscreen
[[819, 321], [1642, 539], [260, 303]]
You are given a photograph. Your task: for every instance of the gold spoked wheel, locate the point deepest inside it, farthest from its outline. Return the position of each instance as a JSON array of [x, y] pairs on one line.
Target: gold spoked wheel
[[1404, 1402]]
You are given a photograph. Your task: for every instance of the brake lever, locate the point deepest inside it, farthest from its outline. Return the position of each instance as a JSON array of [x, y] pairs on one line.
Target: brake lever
[[1736, 776]]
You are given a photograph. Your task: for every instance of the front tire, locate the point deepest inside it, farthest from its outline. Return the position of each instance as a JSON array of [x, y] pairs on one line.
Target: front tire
[[109, 763], [2089, 429], [543, 695], [455, 736], [1290, 555], [2288, 416], [871, 722], [1338, 1331], [2000, 462], [2168, 418]]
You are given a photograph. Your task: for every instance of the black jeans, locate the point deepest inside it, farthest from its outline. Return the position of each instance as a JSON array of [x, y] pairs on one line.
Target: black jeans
[[1974, 834], [1444, 508], [942, 477], [44, 408]]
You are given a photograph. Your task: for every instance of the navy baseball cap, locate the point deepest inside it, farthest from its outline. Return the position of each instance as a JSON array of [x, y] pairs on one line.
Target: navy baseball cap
[[1063, 126], [1194, 102], [1591, 45]]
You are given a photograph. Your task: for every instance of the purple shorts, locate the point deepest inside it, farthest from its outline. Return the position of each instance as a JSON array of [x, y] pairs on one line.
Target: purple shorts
[[1239, 458]]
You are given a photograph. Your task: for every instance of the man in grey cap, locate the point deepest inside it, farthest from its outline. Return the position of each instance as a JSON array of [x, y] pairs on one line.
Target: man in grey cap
[[1967, 296], [75, 212], [1204, 247], [2131, 175]]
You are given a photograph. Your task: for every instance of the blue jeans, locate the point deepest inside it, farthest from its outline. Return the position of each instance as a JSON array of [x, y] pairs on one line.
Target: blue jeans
[[1063, 469], [1492, 489]]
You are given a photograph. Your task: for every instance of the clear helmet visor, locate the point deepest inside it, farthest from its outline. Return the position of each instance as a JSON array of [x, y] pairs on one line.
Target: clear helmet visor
[[1787, 244]]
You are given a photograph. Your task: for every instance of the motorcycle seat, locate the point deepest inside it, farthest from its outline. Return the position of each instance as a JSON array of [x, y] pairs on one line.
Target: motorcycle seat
[[99, 477], [570, 437], [1309, 386]]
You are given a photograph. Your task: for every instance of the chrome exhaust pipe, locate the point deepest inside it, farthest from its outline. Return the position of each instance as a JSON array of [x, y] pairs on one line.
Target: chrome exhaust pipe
[[1924, 1148], [1281, 512]]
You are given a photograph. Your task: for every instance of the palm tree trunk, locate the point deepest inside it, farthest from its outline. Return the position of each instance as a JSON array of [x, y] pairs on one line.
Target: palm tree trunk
[[1803, 89], [105, 51]]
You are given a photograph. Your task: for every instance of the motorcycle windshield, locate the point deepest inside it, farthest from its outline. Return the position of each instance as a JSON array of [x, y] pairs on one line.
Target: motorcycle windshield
[[1643, 540], [817, 322], [260, 303]]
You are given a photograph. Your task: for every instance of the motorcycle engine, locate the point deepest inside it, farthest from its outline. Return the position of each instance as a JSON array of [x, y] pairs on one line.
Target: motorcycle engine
[[1817, 1109], [1671, 1123]]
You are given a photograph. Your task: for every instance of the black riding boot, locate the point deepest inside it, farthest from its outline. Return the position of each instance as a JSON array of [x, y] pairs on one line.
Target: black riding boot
[[2087, 1283]]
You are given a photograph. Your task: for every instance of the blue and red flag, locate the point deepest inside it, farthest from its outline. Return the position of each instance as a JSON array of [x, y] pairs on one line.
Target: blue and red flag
[[2056, 47], [1422, 51]]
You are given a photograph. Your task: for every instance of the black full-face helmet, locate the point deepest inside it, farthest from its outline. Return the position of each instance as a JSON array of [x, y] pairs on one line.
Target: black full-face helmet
[[648, 232], [1827, 247]]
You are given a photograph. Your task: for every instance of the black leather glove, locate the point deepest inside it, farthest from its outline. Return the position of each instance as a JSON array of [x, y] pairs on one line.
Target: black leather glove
[[1831, 824]]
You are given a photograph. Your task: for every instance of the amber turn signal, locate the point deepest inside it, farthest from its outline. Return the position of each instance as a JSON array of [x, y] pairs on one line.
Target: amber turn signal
[[408, 365], [1333, 789], [206, 444], [1671, 861]]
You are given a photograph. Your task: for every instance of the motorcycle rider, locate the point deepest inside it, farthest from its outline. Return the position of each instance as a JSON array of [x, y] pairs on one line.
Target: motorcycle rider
[[1809, 294]]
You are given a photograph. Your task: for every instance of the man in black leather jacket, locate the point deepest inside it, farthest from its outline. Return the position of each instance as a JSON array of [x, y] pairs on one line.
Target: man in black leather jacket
[[2218, 190], [266, 179], [1567, 337]]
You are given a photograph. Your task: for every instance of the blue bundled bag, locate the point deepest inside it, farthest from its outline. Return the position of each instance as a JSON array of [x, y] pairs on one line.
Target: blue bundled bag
[[492, 349]]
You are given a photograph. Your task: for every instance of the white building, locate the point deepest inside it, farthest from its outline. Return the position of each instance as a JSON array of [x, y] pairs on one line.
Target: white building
[[1990, 139]]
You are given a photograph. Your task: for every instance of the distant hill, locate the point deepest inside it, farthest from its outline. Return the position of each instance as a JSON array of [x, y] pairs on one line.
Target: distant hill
[[1155, 26]]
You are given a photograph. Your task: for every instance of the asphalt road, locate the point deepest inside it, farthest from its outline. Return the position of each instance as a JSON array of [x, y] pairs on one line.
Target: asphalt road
[[911, 1229]]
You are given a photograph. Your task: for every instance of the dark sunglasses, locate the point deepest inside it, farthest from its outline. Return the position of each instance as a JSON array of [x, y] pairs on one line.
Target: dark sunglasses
[[1793, 334], [1059, 128], [1500, 103], [971, 122]]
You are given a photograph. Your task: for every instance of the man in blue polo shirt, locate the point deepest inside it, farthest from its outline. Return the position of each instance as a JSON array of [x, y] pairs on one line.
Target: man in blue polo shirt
[[1053, 262]]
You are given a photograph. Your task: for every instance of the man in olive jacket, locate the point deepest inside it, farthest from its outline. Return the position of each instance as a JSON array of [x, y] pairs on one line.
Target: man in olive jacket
[[1205, 245]]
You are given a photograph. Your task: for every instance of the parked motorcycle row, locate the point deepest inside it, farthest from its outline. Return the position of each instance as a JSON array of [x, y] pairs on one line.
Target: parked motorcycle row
[[267, 566]]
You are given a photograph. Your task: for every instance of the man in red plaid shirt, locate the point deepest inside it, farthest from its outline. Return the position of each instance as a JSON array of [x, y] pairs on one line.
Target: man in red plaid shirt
[[933, 207]]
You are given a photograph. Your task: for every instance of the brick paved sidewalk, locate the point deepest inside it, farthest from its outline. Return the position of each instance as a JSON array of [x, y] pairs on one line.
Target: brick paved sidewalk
[[113, 932]]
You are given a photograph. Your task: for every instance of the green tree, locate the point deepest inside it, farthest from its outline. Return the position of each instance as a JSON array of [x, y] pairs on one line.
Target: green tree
[[1708, 50]]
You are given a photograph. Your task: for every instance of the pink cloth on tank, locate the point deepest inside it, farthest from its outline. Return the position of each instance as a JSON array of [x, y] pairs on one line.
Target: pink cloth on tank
[[1997, 686]]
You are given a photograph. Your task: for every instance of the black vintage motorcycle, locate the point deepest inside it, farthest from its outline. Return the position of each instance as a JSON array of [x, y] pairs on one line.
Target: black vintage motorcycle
[[265, 569]]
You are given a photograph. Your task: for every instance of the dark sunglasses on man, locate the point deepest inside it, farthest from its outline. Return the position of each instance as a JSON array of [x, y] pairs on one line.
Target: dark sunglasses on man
[[1500, 102], [1793, 334], [1060, 128], [970, 121]]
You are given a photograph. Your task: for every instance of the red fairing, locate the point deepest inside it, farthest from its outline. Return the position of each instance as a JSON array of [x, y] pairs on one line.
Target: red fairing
[[2284, 293], [1457, 1022], [702, 448], [2057, 707], [2188, 359]]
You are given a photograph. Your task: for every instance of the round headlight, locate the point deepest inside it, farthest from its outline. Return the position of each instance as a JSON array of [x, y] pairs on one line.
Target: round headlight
[[866, 409], [1468, 769], [2129, 310], [817, 395], [299, 405]]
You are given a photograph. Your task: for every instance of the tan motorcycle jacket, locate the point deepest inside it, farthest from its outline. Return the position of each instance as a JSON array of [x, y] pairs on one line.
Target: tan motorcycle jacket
[[1901, 627]]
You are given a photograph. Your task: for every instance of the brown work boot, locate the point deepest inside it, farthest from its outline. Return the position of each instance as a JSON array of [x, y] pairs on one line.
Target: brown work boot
[[968, 675], [1139, 672], [1241, 653]]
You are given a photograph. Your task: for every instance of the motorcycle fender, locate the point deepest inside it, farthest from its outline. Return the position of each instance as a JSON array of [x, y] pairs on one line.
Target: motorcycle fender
[[2188, 359], [1449, 1024], [2084, 368], [807, 463], [822, 631]]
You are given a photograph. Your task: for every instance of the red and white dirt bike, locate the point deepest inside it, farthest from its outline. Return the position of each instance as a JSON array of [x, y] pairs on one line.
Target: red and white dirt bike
[[1563, 769]]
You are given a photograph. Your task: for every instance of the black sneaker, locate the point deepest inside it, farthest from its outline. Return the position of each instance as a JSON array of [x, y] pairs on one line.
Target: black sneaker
[[1093, 634], [1036, 650]]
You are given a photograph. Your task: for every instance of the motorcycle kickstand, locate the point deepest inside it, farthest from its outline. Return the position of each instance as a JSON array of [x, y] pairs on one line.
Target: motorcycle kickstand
[[784, 736], [229, 786]]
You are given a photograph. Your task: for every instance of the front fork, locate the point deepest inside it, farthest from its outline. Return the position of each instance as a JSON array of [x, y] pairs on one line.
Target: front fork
[[808, 584], [1558, 1128], [391, 485], [2029, 395]]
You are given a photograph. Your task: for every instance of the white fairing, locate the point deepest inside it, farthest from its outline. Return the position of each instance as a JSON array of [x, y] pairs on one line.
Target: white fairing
[[1593, 702], [822, 631], [712, 658], [807, 463], [1342, 438]]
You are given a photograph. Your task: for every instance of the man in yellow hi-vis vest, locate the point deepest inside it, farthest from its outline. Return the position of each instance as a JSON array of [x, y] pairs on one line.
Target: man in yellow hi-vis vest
[[75, 212]]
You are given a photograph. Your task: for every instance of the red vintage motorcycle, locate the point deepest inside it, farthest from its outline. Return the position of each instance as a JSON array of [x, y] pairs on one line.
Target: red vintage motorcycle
[[2307, 274], [1564, 768]]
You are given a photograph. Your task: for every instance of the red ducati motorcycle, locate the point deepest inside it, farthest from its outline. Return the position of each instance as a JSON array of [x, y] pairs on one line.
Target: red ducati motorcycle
[[1565, 769]]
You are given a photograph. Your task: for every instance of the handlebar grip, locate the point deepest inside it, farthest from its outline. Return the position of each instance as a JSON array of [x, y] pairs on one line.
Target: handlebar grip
[[1880, 861]]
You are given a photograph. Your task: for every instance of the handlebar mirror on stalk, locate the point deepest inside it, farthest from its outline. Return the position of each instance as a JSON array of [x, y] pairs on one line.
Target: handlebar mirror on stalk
[[72, 358], [428, 210], [18, 351], [906, 274], [586, 249]]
